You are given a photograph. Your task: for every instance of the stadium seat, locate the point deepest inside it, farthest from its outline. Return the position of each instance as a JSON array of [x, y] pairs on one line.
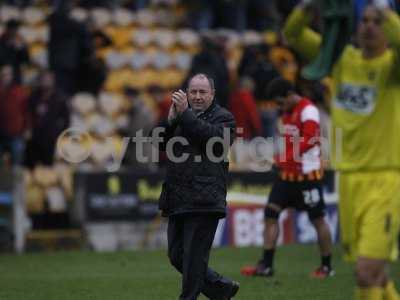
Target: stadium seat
[[164, 38], [251, 37], [83, 103], [122, 121], [45, 176], [140, 60], [160, 60], [33, 16], [146, 18], [142, 37], [35, 199], [110, 104], [116, 60], [78, 121], [56, 199], [42, 34], [171, 78], [9, 12], [188, 38], [120, 36], [284, 61], [79, 14], [123, 17], [101, 17], [182, 60], [65, 177], [39, 57], [102, 151], [99, 125], [28, 34]]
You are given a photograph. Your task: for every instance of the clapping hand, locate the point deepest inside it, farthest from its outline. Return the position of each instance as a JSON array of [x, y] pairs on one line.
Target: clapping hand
[[180, 101]]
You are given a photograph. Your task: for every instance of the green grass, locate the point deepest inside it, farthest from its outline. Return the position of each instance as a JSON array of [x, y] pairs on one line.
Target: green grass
[[147, 275]]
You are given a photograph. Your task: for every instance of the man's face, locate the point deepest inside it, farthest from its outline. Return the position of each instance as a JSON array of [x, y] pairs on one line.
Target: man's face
[[200, 93], [370, 34], [6, 75]]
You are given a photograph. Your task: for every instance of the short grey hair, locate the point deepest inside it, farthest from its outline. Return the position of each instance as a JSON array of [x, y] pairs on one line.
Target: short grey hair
[[210, 80]]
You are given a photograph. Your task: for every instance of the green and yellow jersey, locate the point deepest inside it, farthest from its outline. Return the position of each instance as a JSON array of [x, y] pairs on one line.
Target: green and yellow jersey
[[365, 106]]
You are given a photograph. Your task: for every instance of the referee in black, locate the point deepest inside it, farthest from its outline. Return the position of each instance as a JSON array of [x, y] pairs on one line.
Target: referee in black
[[196, 139]]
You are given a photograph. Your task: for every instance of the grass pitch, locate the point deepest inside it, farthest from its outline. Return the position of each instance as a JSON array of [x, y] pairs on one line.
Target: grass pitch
[[145, 275]]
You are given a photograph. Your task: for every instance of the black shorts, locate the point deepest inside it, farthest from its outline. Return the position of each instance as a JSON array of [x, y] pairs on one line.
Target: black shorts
[[301, 195]]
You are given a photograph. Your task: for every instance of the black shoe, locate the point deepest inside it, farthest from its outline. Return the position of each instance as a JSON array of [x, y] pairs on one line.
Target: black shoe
[[233, 289], [263, 271], [230, 290]]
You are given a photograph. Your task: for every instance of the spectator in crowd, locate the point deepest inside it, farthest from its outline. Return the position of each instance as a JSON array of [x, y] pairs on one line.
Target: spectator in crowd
[[13, 115], [231, 14], [200, 13], [13, 50], [100, 38], [141, 117], [49, 116], [211, 61], [161, 100], [96, 3], [261, 15], [20, 3], [71, 49], [256, 65], [243, 107]]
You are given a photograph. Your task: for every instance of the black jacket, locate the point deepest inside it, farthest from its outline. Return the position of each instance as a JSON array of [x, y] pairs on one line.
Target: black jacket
[[198, 183]]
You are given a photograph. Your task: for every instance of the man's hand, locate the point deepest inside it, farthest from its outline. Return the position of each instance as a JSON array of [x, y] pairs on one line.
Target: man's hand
[[180, 101]]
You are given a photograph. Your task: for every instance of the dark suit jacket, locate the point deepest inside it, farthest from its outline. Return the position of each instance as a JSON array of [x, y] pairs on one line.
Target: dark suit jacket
[[198, 183]]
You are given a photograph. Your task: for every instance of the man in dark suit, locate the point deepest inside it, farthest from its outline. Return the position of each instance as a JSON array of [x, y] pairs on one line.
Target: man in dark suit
[[194, 193]]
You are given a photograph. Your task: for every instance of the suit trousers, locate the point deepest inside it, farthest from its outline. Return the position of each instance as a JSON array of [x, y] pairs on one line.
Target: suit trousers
[[190, 237]]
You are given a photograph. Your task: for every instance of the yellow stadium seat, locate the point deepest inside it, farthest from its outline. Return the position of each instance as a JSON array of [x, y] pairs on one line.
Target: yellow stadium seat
[[35, 199], [120, 36]]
